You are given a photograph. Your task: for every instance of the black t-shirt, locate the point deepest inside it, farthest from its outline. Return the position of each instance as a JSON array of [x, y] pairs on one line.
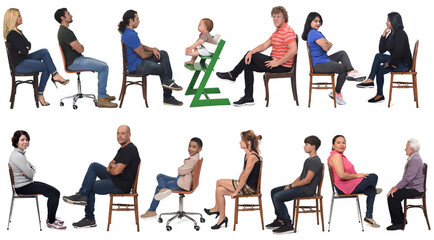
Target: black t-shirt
[[66, 37], [129, 156], [314, 164]]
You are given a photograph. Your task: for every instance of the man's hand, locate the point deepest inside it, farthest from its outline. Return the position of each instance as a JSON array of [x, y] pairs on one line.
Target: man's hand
[[156, 52]]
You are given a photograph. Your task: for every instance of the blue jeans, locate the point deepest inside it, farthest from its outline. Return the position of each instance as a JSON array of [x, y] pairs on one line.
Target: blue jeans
[[367, 187], [279, 196], [164, 182], [90, 186], [160, 67], [379, 70], [39, 61], [90, 64]]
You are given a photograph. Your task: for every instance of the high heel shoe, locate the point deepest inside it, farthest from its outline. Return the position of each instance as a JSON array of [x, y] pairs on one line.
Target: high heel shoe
[[208, 211], [66, 81], [217, 226], [44, 104]]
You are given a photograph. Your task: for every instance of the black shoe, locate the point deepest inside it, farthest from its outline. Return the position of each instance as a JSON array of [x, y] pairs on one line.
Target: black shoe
[[170, 84], [285, 228], [393, 227], [225, 75], [244, 101], [172, 101], [84, 223], [275, 224], [217, 226], [207, 211], [365, 85], [76, 199], [373, 100]]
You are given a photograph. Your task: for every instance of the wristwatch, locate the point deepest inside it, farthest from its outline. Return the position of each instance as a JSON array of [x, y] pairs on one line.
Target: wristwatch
[[290, 185]]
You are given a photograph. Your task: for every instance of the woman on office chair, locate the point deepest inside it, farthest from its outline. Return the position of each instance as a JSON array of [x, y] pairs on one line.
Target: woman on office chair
[[348, 181], [247, 182], [25, 62], [24, 172]]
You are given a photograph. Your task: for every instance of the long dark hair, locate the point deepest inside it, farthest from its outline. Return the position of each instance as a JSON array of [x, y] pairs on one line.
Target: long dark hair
[[396, 21], [253, 138], [130, 14], [307, 26]]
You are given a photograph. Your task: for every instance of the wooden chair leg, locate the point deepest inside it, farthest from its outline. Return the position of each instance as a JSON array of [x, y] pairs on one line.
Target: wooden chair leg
[[145, 90], [334, 90], [425, 212], [297, 206], [322, 214], [294, 89], [267, 95], [260, 211], [293, 208], [416, 98], [136, 211], [310, 91], [236, 213], [13, 92], [124, 79], [405, 214], [317, 212], [110, 213], [35, 90], [390, 90]]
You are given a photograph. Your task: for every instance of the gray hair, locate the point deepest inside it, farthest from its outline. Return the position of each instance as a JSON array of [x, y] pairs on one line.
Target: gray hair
[[414, 144]]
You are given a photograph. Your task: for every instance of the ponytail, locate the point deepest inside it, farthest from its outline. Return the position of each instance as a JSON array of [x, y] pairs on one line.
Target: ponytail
[[254, 140], [130, 14]]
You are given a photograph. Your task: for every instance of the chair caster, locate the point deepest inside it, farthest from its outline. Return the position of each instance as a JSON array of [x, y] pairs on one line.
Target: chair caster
[[202, 220], [168, 228], [160, 220], [96, 103], [62, 104], [74, 107], [197, 228]]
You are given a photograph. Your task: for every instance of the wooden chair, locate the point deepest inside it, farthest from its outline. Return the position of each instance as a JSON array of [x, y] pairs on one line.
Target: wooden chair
[[423, 197], [21, 196], [336, 195], [401, 84], [16, 82], [310, 209], [124, 206], [126, 83], [320, 85], [180, 213], [75, 97], [291, 74], [250, 207]]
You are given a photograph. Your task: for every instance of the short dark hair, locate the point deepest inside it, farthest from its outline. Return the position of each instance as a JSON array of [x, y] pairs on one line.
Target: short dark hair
[[60, 13], [336, 137], [198, 141], [17, 136], [314, 141]]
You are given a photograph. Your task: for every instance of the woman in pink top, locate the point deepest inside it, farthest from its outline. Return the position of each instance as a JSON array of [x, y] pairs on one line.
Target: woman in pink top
[[348, 181]]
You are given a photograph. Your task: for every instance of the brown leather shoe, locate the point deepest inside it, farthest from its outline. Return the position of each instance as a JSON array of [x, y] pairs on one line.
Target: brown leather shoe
[[105, 103], [149, 214], [111, 98]]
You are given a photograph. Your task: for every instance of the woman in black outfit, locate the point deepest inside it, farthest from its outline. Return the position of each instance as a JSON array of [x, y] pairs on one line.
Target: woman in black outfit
[[23, 60], [395, 40]]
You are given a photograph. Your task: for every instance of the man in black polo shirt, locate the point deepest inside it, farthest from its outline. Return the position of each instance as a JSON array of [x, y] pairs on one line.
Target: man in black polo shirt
[[117, 177]]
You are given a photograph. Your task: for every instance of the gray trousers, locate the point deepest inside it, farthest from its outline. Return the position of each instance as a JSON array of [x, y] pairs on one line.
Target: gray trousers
[[339, 63]]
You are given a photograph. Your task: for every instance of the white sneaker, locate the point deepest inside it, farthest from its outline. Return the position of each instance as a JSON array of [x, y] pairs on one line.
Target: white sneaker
[[339, 100], [56, 225], [355, 76], [162, 194]]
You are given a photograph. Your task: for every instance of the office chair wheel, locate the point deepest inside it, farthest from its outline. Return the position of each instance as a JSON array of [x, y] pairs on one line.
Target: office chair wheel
[[202, 220], [168, 228], [197, 228], [62, 104], [160, 220], [74, 107], [96, 103]]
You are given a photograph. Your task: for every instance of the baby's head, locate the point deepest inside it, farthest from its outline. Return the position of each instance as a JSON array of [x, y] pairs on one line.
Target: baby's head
[[195, 146], [205, 25]]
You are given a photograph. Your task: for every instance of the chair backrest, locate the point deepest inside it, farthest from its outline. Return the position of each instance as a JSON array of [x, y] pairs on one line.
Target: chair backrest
[[416, 48], [318, 193], [425, 170], [11, 175], [332, 180], [11, 63], [196, 174], [310, 59], [294, 64], [124, 57], [258, 188], [134, 190]]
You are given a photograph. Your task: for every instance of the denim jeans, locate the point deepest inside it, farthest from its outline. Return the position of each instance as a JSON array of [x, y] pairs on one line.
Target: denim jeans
[[90, 186], [378, 69], [39, 61], [339, 63], [160, 67], [90, 64], [367, 187], [164, 182], [279, 196], [257, 64]]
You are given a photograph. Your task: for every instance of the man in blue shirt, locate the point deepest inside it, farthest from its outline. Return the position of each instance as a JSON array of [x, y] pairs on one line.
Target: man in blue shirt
[[142, 59]]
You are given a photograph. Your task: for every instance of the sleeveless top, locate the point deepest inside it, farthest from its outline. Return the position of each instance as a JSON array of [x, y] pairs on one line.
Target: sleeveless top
[[346, 186], [252, 180]]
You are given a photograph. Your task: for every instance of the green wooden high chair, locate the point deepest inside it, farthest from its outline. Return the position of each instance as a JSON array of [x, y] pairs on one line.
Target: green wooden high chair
[[201, 90]]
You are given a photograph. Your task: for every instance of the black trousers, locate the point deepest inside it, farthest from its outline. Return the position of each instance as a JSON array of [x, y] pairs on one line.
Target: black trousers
[[257, 64], [47, 191], [395, 208]]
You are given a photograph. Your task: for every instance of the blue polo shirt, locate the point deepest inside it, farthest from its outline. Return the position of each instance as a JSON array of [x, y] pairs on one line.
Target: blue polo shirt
[[132, 41], [317, 54]]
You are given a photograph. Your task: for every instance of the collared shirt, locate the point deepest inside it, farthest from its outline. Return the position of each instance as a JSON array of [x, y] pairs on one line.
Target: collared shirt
[[280, 40]]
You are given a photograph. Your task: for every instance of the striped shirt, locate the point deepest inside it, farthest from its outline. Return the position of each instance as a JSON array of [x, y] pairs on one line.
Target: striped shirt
[[280, 40]]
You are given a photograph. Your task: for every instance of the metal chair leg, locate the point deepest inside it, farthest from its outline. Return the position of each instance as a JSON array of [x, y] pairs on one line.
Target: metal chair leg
[[331, 211], [39, 215], [10, 212]]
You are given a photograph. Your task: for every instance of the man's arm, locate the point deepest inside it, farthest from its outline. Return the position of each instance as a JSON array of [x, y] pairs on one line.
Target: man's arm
[[76, 45], [146, 52], [115, 168]]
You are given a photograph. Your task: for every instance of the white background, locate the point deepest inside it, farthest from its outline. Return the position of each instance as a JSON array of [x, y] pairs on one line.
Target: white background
[[65, 141]]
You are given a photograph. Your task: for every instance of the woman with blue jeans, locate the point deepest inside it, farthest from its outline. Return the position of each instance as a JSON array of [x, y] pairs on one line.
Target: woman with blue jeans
[[25, 62], [395, 40]]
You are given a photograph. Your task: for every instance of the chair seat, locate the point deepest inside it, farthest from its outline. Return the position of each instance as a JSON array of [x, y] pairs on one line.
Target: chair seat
[[348, 195], [279, 75], [322, 74], [124, 194], [80, 71], [310, 197], [26, 74], [28, 195], [183, 192], [250, 195], [196, 66], [135, 75], [404, 73]]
